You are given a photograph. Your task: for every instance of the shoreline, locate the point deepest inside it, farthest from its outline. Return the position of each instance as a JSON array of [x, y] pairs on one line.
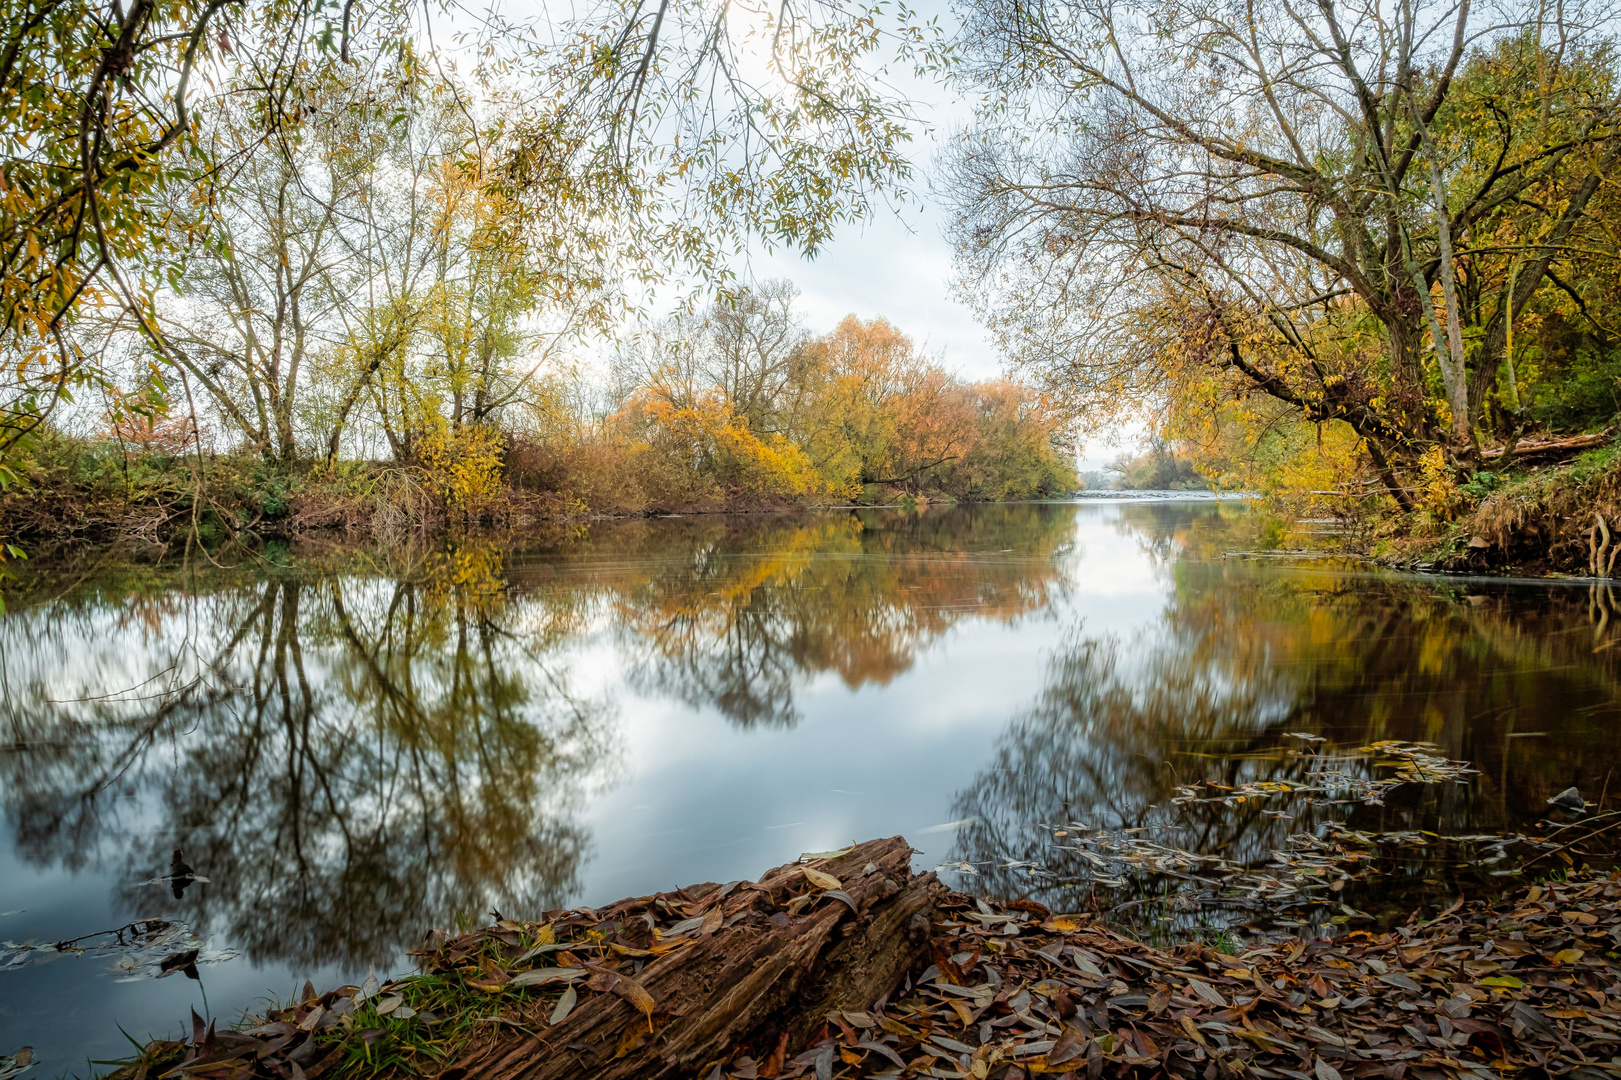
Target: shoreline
[[653, 986]]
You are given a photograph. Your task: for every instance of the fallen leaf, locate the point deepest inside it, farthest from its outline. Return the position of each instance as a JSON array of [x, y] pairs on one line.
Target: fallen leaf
[[822, 880], [542, 976], [1397, 979], [632, 991], [490, 979], [1208, 992], [845, 898], [565, 1005]]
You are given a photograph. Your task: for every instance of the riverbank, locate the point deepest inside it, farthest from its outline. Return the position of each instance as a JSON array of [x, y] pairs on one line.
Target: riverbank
[[950, 986], [1557, 518], [97, 493], [1548, 515]]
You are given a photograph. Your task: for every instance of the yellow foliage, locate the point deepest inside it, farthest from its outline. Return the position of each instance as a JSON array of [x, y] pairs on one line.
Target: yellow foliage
[[710, 438], [1438, 492], [463, 465], [1255, 444]]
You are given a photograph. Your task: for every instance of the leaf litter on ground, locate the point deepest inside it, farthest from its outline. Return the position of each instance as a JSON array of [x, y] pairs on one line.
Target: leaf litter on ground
[[1524, 985], [1527, 986]]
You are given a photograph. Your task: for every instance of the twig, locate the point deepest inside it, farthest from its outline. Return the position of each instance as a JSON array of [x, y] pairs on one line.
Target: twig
[[1573, 843]]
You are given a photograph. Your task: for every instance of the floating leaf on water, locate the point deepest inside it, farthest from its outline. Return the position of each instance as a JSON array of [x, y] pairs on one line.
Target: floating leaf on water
[[16, 1064], [949, 826]]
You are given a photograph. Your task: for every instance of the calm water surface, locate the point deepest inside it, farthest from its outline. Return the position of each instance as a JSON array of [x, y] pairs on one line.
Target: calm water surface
[[354, 747]]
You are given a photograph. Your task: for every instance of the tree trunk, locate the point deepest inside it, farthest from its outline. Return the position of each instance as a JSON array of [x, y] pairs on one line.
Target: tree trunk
[[1529, 280], [776, 957]]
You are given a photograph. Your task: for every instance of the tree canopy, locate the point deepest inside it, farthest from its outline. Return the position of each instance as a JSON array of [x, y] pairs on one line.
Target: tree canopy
[[1342, 208], [156, 148]]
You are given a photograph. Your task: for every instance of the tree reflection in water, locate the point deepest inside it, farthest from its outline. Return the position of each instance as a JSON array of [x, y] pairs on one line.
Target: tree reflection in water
[[1509, 678], [750, 614], [353, 751], [349, 760]]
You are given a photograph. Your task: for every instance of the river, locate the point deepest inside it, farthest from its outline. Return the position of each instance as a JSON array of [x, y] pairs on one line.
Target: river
[[350, 746]]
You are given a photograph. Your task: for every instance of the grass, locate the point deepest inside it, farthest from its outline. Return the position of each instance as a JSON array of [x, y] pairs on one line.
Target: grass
[[449, 1014], [1531, 519]]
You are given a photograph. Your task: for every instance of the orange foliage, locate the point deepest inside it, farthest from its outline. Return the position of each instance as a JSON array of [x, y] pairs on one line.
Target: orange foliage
[[164, 435]]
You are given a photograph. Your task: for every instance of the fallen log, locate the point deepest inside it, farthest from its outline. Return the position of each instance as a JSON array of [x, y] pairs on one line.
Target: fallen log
[[766, 962], [1547, 450]]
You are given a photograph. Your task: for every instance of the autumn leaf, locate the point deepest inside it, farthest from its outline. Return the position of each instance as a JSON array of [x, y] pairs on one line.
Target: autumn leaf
[[822, 880]]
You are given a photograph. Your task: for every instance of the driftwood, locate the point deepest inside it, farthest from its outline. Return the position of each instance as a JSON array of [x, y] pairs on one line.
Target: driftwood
[[1547, 450], [771, 959]]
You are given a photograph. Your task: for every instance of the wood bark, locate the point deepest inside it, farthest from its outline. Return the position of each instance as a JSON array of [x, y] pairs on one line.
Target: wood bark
[[782, 954], [1550, 450]]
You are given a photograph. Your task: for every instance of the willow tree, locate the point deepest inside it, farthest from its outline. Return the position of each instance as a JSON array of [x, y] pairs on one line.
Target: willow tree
[[1273, 199], [97, 126], [632, 136]]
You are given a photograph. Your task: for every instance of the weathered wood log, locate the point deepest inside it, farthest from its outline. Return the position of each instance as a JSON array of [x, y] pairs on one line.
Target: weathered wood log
[[771, 959], [1547, 450]]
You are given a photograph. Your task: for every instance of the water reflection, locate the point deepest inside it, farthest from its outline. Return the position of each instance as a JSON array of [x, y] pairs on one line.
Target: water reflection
[[346, 761], [353, 756], [747, 616], [1519, 681], [349, 747]]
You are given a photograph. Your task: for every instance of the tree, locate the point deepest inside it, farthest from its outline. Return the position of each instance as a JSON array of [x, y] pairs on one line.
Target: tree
[[259, 299], [747, 346], [98, 127], [1294, 199], [756, 355], [621, 137]]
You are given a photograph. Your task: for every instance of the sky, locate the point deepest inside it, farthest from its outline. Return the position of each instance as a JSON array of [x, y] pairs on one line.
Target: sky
[[898, 264]]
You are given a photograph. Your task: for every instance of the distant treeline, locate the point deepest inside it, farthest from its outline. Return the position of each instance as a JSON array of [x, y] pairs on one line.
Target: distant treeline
[[733, 406]]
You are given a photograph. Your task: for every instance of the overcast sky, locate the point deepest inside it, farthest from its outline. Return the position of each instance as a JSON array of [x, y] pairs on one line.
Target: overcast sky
[[898, 265]]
